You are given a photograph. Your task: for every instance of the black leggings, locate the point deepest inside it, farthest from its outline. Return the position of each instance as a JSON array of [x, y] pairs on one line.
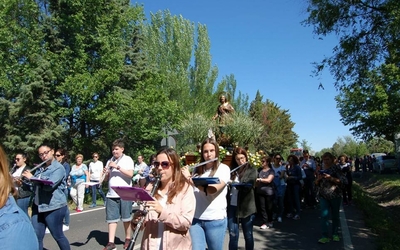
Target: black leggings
[[266, 206]]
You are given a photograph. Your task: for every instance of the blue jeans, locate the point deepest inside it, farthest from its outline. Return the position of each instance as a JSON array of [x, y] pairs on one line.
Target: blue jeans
[[280, 201], [94, 192], [208, 233], [66, 217], [23, 203], [294, 198], [334, 206], [233, 226], [53, 221]]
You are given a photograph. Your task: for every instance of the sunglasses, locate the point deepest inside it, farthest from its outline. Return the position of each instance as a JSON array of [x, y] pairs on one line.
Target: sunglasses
[[278, 158], [95, 156], [17, 159], [44, 153], [164, 164], [57, 155]]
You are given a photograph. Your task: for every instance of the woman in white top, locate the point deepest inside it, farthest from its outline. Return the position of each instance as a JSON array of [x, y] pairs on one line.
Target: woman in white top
[[280, 184], [96, 170], [210, 218]]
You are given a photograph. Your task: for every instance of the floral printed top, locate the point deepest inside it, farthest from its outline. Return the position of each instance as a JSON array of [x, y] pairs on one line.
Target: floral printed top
[[329, 190]]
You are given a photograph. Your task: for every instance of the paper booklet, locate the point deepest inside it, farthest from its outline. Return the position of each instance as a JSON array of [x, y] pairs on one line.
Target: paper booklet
[[132, 193], [44, 182]]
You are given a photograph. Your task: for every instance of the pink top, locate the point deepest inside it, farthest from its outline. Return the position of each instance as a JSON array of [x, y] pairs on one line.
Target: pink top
[[177, 219]]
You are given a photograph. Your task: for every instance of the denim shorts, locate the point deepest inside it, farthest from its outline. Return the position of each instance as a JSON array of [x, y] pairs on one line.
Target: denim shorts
[[117, 209]]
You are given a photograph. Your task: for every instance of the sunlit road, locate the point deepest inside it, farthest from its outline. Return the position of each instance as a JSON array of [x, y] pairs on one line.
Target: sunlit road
[[88, 230]]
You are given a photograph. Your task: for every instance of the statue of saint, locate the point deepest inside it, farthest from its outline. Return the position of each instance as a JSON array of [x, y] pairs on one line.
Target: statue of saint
[[223, 110]]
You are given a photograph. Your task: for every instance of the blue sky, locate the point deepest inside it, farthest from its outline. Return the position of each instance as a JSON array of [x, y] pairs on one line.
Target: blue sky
[[263, 44]]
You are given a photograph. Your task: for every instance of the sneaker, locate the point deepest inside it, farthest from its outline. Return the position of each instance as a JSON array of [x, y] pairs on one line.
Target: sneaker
[[47, 231], [335, 238], [110, 246], [65, 228], [289, 215], [93, 205], [263, 226], [296, 217], [324, 240], [79, 210], [279, 219], [270, 225], [127, 242]]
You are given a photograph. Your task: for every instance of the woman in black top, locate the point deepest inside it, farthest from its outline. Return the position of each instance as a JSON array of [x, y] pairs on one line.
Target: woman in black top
[[21, 183], [241, 201]]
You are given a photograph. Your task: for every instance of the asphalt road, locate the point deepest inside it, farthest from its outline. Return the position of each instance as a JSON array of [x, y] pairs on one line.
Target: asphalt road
[[88, 230]]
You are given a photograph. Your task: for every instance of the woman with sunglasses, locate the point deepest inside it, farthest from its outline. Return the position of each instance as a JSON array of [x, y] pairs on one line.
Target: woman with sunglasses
[[16, 231], [280, 184], [170, 215], [23, 187], [241, 200], [49, 203], [210, 219]]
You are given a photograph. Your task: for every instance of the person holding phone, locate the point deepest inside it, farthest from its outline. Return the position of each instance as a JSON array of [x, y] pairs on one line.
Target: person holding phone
[[330, 183]]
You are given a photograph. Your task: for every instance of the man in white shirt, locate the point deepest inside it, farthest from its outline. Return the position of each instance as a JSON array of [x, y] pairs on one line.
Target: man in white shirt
[[95, 171], [119, 172]]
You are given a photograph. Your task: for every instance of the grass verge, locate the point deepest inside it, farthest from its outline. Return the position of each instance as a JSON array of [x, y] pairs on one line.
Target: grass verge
[[378, 196]]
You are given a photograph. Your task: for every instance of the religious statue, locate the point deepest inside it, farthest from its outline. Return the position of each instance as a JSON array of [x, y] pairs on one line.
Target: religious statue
[[223, 110]]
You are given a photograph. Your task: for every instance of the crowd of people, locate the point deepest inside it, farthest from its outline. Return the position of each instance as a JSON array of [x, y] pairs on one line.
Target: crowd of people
[[184, 213]]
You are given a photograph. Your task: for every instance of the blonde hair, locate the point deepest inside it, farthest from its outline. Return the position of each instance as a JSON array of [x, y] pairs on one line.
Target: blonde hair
[[6, 184], [79, 156]]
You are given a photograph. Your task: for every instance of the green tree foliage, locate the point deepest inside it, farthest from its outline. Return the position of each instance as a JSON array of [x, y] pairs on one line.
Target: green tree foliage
[[372, 108], [27, 97], [365, 63], [304, 144], [277, 134], [380, 145]]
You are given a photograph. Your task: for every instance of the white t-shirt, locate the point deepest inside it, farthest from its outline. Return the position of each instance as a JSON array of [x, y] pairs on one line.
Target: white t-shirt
[[117, 178], [95, 170], [213, 207]]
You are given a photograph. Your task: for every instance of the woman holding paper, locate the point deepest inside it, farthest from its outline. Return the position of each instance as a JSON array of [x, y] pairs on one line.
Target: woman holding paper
[[210, 219], [241, 200], [170, 215], [49, 204]]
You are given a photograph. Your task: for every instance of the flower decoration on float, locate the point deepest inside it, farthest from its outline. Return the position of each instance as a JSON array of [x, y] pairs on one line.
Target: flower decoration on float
[[223, 152], [255, 158]]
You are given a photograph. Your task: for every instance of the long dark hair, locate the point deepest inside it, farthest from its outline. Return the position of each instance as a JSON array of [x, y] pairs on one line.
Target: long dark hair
[[201, 170], [234, 164]]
